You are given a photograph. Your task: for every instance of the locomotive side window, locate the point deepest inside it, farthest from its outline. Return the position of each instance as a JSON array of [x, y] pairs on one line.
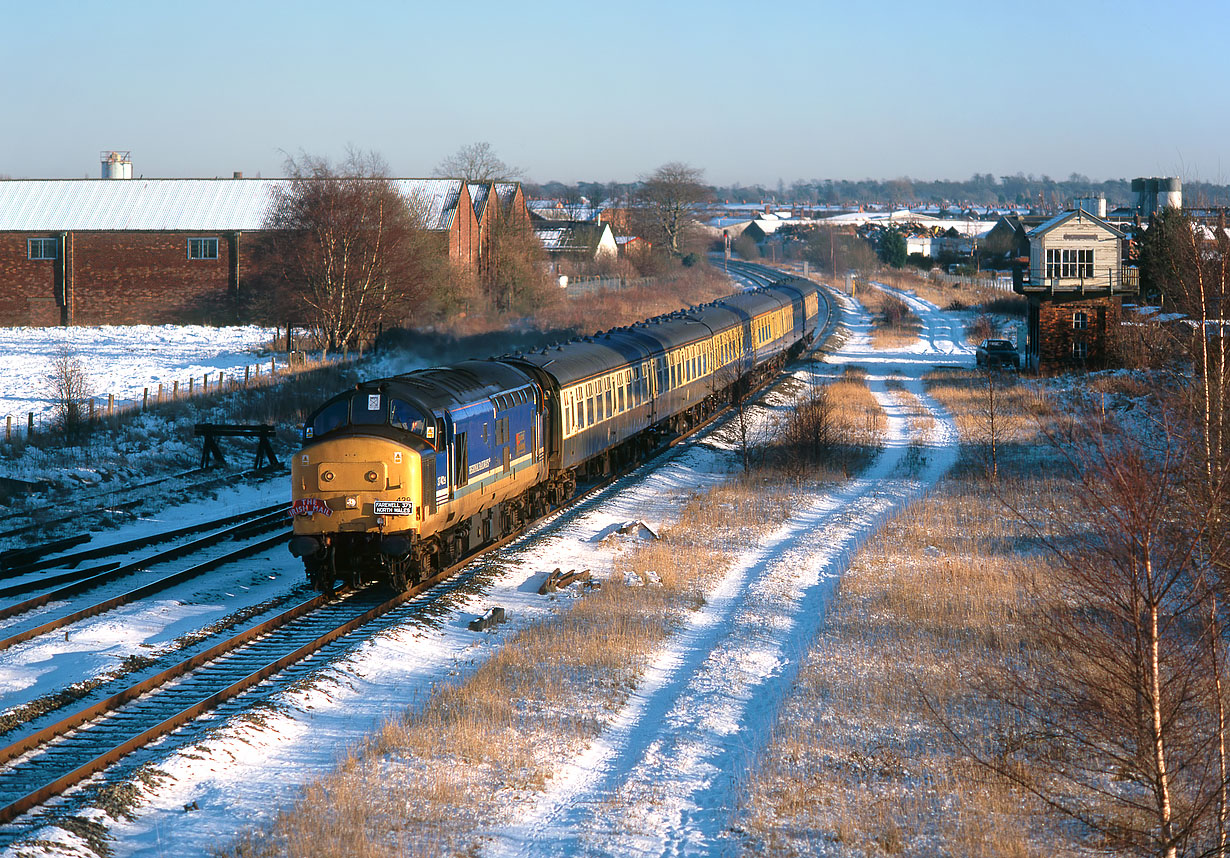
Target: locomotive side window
[[332, 417]]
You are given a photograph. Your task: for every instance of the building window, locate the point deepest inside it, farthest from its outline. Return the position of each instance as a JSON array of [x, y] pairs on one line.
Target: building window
[[1080, 321], [202, 248], [1080, 351], [42, 248], [1067, 262]]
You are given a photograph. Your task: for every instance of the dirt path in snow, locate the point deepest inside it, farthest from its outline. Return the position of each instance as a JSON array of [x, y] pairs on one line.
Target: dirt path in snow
[[665, 778]]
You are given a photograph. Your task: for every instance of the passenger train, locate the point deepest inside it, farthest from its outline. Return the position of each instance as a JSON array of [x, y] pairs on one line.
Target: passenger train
[[401, 477]]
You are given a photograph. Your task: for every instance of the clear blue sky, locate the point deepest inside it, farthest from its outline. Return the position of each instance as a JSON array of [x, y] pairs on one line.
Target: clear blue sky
[[751, 92]]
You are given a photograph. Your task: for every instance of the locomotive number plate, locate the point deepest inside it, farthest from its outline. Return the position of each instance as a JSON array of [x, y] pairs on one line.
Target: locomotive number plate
[[393, 508]]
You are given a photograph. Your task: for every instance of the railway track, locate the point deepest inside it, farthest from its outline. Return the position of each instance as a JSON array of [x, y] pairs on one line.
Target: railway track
[[263, 521], [95, 506], [47, 761]]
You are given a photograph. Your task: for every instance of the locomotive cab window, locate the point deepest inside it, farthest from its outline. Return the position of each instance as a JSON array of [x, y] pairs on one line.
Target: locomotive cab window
[[331, 417], [404, 416]]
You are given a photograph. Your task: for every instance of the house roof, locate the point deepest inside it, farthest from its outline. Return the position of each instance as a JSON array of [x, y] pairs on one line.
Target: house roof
[[480, 192], [222, 205], [571, 236], [1079, 214], [506, 192]]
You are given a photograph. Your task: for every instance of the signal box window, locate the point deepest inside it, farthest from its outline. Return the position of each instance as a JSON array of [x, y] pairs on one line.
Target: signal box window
[[202, 248], [42, 248]]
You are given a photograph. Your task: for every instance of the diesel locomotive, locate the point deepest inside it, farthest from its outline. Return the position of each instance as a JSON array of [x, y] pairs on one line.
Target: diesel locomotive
[[400, 477]]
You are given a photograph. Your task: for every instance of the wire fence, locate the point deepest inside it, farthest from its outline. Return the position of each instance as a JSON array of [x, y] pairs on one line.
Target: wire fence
[[1003, 282], [20, 428]]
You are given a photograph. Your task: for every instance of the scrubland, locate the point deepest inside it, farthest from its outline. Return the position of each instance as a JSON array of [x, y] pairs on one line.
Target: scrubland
[[875, 752]]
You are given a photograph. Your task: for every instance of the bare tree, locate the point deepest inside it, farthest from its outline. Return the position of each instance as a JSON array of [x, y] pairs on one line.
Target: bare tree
[[346, 245], [70, 386], [670, 200], [1117, 720], [520, 281], [477, 162]]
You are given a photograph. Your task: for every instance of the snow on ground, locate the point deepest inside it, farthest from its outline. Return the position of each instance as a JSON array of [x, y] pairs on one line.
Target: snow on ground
[[119, 360], [677, 753], [679, 748]]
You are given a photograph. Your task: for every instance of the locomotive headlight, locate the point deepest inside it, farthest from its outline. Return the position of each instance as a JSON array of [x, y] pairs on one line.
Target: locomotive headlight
[[380, 521], [370, 476], [326, 477], [352, 502]]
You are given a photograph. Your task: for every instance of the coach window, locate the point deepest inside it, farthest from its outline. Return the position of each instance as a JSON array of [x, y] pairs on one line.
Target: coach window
[[42, 248], [202, 248]]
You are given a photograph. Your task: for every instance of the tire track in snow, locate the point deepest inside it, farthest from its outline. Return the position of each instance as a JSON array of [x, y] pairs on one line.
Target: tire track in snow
[[665, 777]]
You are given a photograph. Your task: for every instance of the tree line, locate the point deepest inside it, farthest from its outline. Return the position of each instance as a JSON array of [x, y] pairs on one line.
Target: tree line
[[345, 253]]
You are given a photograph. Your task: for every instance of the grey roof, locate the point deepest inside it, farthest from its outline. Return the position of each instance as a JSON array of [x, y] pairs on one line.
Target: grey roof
[[50, 205], [570, 236], [506, 191], [1064, 217], [479, 192]]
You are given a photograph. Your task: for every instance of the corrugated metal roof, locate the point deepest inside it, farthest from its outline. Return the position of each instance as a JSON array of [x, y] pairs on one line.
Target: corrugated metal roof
[[506, 191], [479, 192], [223, 205], [436, 200]]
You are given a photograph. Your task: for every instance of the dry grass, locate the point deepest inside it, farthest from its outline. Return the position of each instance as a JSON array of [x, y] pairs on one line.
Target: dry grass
[[427, 779], [862, 761], [831, 432], [943, 295], [893, 324]]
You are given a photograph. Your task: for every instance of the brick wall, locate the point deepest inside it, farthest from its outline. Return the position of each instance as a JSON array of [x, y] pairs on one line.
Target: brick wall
[[123, 278], [28, 293], [1058, 331]]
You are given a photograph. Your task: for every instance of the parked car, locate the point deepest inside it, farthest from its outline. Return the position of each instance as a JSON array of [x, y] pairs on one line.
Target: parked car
[[997, 353]]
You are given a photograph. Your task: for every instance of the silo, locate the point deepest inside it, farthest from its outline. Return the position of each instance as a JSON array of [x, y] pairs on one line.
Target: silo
[[116, 164], [1169, 193]]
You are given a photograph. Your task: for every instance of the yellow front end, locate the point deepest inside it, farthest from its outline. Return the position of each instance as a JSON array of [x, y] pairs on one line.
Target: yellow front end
[[356, 484]]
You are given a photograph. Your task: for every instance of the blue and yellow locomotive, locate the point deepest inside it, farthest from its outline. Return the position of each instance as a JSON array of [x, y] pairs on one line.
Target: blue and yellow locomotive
[[400, 477]]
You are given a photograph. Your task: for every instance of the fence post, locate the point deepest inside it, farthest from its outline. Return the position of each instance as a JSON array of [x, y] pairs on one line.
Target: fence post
[[205, 384], [160, 392], [145, 400], [273, 367], [8, 428], [30, 425], [221, 378], [110, 404], [175, 389], [247, 371], [91, 409], [191, 381]]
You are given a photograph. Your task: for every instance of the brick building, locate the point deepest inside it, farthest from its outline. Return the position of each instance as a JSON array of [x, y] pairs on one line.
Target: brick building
[[166, 251], [1075, 281]]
